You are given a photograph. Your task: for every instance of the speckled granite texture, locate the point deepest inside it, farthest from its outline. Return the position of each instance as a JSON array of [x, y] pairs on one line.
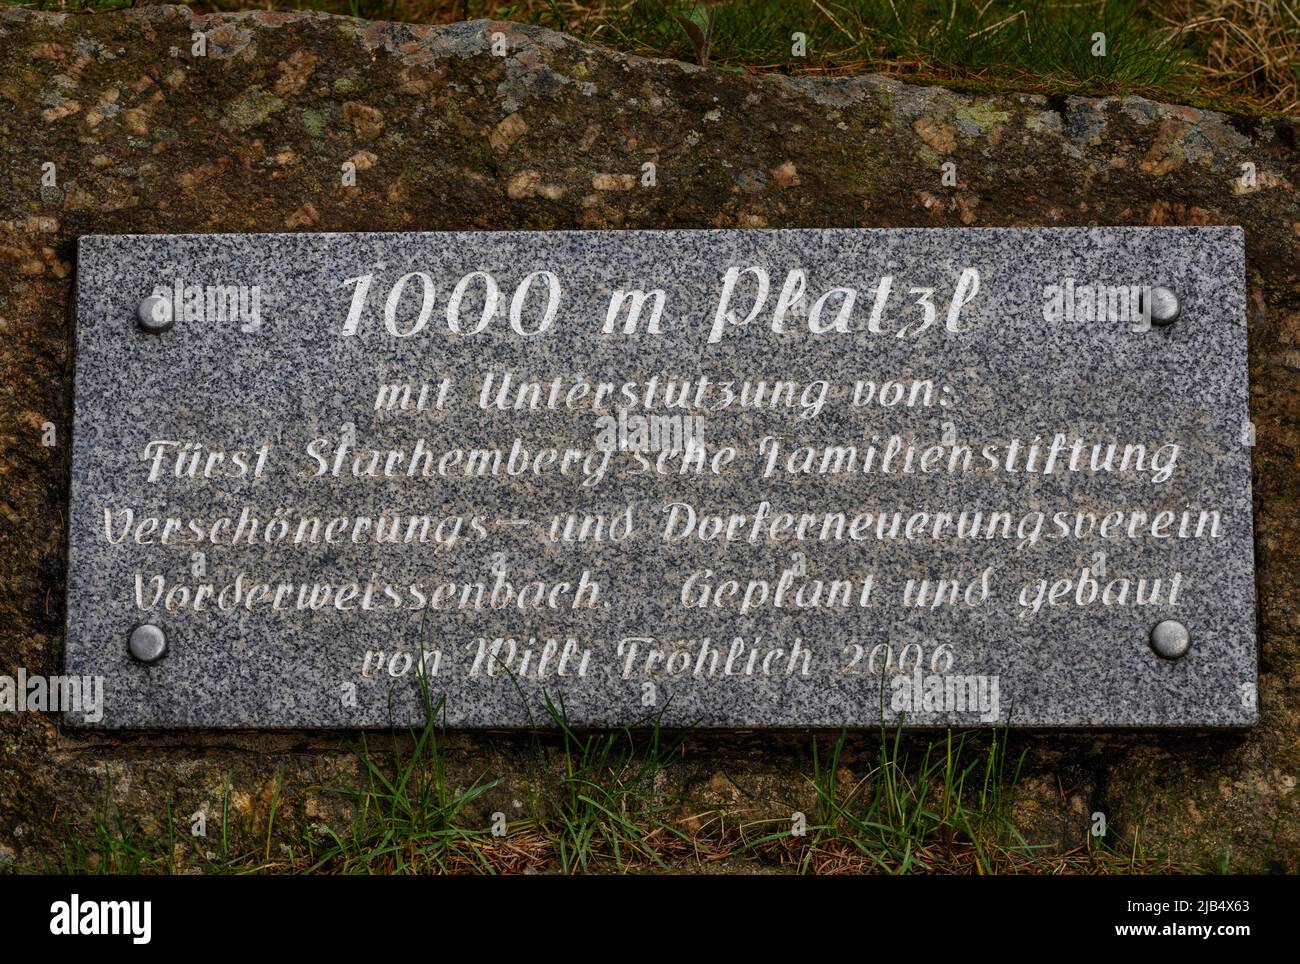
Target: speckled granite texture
[[1007, 374]]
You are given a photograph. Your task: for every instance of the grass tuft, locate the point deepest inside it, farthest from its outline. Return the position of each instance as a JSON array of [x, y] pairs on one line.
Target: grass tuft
[[948, 811], [113, 846], [610, 808], [407, 819]]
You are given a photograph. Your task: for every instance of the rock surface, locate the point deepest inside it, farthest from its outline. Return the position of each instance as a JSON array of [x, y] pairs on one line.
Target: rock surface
[[110, 123]]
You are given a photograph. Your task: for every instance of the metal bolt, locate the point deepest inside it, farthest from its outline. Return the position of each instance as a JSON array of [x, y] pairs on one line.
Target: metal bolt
[[1164, 306], [1170, 639], [155, 315], [148, 643]]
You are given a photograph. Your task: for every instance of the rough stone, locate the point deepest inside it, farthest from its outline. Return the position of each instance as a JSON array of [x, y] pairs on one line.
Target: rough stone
[[1205, 800]]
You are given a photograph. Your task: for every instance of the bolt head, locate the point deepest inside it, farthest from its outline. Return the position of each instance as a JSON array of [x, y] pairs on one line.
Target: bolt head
[[148, 643], [1164, 306], [155, 315], [1170, 639]]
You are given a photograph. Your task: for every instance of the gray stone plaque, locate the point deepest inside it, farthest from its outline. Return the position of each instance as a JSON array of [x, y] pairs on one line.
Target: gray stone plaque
[[718, 478]]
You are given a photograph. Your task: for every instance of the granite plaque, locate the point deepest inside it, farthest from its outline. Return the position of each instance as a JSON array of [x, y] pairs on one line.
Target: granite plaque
[[807, 478]]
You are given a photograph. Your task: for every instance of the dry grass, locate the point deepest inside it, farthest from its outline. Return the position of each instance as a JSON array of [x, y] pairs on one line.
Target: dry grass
[[1250, 48], [722, 843]]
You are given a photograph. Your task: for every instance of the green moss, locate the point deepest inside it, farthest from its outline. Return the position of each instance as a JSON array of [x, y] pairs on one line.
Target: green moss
[[983, 114], [314, 121], [253, 107]]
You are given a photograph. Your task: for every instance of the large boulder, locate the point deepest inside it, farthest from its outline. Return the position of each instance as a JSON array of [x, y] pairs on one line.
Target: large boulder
[[110, 123]]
